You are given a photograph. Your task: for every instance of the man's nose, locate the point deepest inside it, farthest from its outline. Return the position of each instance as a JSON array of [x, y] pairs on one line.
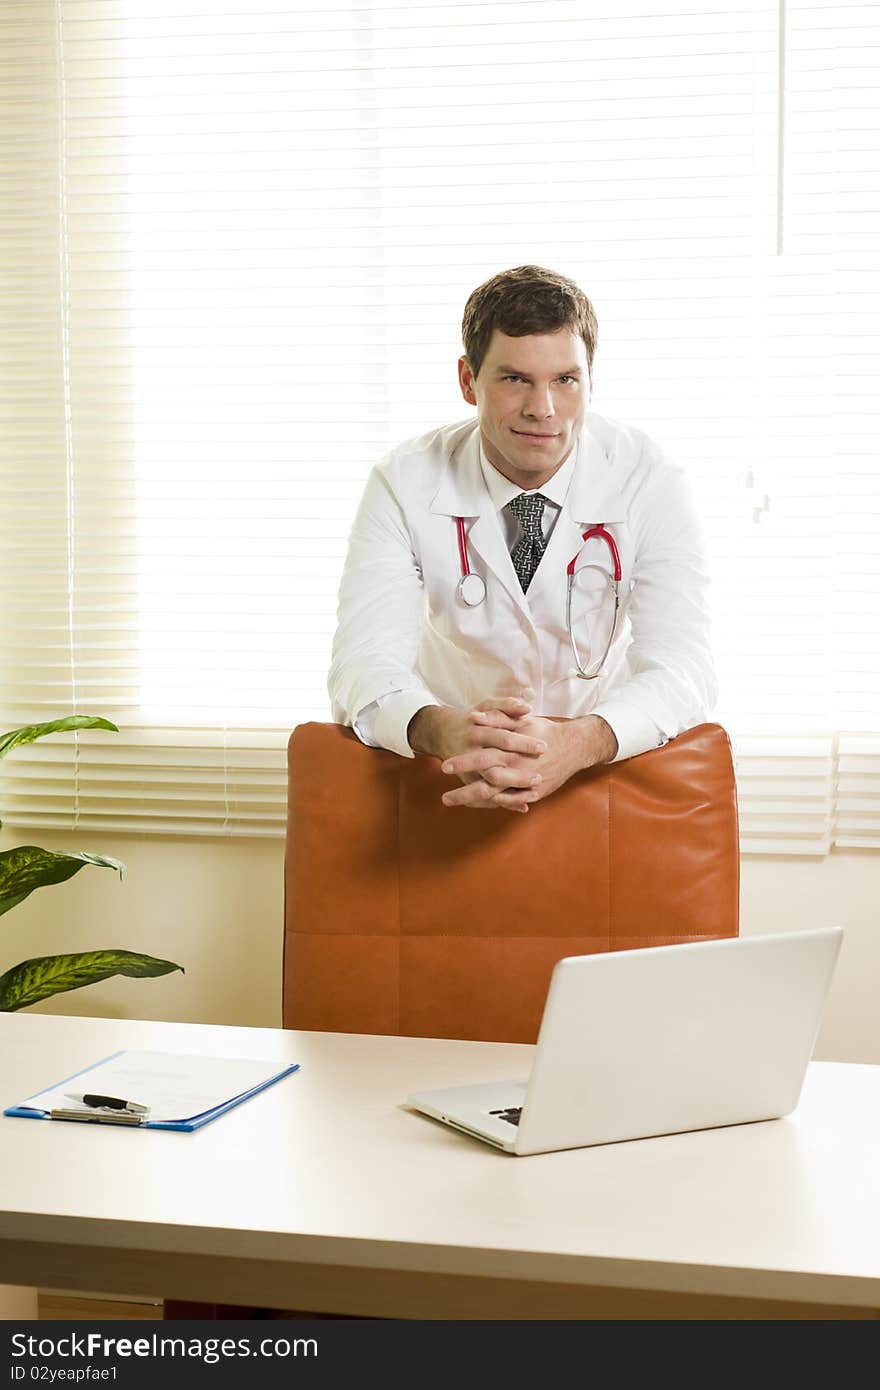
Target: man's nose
[[539, 403]]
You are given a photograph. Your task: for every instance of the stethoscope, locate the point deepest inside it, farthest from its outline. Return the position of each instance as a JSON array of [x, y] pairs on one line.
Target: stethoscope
[[472, 588]]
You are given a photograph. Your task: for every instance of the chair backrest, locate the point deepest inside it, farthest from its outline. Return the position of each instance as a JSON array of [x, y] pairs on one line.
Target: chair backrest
[[406, 916]]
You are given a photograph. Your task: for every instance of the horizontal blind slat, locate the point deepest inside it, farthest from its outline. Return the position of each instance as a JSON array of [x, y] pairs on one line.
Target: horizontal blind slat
[[228, 185]]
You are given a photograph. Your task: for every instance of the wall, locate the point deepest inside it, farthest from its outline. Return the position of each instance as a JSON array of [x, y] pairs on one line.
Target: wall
[[216, 907]]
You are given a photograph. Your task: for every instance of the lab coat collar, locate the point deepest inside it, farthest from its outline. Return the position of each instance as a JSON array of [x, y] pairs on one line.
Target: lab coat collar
[[502, 490], [462, 490], [592, 497]]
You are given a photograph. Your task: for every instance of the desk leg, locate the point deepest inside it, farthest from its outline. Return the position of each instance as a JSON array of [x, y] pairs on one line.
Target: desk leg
[[17, 1304]]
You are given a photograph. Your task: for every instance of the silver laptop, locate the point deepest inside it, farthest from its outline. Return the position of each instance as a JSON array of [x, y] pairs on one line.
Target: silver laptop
[[672, 1038]]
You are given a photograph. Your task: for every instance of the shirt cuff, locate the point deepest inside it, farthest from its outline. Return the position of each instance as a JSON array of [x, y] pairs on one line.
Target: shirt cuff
[[634, 731], [392, 720]]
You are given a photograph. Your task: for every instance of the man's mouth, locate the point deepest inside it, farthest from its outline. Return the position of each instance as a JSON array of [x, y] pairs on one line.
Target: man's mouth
[[535, 434]]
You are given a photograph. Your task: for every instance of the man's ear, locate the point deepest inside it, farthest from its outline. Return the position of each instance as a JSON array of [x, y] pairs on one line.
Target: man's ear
[[466, 381]]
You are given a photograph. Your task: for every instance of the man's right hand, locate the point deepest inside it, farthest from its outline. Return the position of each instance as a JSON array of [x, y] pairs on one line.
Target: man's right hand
[[444, 732]]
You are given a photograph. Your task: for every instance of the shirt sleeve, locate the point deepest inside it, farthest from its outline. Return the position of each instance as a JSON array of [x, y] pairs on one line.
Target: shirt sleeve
[[384, 723], [373, 684], [672, 684]]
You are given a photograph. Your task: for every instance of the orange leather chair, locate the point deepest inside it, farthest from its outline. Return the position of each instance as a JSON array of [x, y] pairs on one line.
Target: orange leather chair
[[406, 916]]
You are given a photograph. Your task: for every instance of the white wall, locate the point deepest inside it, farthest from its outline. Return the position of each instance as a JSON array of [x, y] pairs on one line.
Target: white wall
[[216, 907], [842, 890]]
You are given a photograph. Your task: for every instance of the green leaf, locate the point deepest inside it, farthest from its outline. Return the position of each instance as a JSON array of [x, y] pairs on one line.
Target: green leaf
[[27, 867], [32, 732], [33, 980]]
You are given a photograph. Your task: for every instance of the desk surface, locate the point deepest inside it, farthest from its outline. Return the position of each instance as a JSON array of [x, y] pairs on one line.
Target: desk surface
[[324, 1192]]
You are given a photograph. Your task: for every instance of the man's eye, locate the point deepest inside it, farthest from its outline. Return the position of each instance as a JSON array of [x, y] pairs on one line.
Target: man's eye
[[512, 378]]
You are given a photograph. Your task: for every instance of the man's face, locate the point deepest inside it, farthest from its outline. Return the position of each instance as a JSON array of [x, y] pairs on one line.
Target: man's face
[[531, 397]]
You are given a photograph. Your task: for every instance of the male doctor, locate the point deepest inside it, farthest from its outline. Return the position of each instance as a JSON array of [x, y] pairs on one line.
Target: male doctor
[[461, 633]]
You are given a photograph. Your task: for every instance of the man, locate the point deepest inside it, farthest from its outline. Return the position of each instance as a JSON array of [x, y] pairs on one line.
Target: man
[[525, 594]]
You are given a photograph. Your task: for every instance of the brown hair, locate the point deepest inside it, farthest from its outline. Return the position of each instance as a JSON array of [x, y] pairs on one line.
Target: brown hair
[[528, 299]]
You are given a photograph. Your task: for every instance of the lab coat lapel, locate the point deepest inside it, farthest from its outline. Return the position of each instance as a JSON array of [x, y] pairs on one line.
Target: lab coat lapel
[[591, 497], [463, 492]]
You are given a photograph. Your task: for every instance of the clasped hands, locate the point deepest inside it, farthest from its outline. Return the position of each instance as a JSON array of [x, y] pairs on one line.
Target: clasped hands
[[505, 756]]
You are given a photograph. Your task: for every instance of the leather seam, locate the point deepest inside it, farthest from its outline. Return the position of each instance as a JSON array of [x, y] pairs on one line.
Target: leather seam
[[500, 936], [610, 827]]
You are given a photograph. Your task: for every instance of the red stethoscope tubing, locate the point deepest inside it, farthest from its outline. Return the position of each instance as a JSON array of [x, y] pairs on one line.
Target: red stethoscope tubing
[[473, 589], [601, 534], [462, 547], [598, 533]]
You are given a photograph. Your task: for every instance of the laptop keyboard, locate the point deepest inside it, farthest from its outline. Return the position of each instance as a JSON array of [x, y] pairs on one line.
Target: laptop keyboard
[[511, 1114]]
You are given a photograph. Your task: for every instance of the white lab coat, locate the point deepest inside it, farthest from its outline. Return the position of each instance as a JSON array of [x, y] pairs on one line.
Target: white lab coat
[[406, 638]]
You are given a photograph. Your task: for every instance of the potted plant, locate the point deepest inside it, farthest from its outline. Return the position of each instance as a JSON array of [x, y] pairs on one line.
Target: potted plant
[[27, 867]]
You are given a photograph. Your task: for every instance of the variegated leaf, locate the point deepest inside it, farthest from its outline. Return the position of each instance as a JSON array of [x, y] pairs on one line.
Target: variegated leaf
[[27, 867], [31, 732], [33, 980]]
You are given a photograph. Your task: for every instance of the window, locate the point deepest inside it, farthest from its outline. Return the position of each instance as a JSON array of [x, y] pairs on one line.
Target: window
[[240, 245]]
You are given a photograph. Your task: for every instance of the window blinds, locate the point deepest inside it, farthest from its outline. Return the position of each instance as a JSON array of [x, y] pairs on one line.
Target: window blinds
[[239, 245]]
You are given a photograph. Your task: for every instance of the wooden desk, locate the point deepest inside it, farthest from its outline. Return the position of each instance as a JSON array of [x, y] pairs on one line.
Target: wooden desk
[[324, 1193]]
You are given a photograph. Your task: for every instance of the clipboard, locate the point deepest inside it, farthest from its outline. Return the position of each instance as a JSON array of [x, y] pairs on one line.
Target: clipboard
[[182, 1092]]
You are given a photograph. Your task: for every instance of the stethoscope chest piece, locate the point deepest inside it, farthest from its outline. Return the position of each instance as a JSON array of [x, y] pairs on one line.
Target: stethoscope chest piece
[[472, 588]]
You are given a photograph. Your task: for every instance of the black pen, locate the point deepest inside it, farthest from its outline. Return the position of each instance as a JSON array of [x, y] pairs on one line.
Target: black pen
[[108, 1103]]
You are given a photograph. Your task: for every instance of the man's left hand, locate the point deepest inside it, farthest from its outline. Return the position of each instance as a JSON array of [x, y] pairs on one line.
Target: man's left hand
[[572, 745]]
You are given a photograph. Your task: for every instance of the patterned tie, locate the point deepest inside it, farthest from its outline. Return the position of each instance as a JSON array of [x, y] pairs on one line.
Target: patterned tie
[[528, 509]]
